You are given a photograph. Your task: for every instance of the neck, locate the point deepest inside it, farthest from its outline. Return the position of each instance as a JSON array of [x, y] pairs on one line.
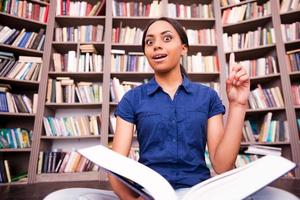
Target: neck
[[169, 81]]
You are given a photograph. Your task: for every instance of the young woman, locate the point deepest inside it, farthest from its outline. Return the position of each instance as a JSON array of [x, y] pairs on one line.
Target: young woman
[[176, 118]]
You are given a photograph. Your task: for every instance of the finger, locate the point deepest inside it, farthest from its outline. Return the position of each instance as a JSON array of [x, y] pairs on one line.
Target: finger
[[232, 60], [243, 79]]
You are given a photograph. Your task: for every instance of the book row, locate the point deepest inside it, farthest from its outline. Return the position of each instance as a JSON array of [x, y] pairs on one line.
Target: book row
[[25, 9], [293, 58], [260, 66], [25, 68], [131, 8], [289, 5], [23, 38], [88, 62], [296, 93], [260, 98], [14, 138], [290, 32], [203, 11], [57, 161], [133, 35], [65, 90], [84, 33], [251, 39], [268, 131], [246, 12], [17, 103], [79, 8], [200, 64], [6, 175], [132, 62], [72, 126]]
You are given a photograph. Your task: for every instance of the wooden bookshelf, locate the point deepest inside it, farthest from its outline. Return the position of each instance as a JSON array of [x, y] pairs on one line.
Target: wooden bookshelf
[[41, 142]]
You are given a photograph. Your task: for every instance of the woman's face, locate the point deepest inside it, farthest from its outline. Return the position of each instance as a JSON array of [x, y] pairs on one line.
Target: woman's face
[[163, 47]]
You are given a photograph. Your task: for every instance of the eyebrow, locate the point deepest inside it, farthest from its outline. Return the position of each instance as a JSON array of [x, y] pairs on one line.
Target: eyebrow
[[162, 33]]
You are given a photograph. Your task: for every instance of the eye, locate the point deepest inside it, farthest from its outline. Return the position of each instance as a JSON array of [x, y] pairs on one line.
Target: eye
[[167, 38], [148, 42]]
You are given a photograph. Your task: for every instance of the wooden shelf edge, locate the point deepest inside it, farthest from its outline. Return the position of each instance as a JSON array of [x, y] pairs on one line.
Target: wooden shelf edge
[[17, 114], [59, 177], [22, 49], [70, 137], [19, 81], [16, 150], [247, 21], [238, 4], [265, 110], [24, 19]]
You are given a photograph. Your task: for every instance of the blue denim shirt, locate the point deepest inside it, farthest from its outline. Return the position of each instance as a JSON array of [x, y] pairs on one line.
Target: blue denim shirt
[[172, 134]]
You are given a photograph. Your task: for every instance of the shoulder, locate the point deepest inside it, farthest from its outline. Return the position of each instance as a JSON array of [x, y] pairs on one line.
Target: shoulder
[[202, 89]]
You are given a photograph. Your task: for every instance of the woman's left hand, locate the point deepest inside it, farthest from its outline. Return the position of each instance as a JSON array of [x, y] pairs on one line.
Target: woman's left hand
[[238, 86]]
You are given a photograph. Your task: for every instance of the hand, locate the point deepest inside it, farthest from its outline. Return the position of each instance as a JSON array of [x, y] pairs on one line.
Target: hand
[[237, 84]]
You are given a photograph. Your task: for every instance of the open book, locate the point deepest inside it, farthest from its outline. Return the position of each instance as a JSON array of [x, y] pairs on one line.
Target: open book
[[235, 184]]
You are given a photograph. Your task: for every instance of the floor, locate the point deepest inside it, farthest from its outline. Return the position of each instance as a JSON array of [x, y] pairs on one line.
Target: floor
[[40, 190]]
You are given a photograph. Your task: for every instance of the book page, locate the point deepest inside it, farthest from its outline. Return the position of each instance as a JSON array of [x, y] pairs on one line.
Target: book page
[[154, 183], [242, 182]]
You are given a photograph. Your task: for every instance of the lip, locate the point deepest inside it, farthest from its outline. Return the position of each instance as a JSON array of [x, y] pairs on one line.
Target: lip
[[159, 57]]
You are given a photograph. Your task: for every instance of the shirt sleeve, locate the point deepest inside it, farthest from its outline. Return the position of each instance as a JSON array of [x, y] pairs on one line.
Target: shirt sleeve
[[125, 109], [215, 106]]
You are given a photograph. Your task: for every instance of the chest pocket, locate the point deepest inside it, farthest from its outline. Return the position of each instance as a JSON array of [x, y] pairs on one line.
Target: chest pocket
[[196, 120], [152, 128]]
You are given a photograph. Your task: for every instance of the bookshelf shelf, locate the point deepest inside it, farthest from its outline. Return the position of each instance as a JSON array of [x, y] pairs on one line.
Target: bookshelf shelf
[[133, 76], [238, 4], [295, 75], [263, 79], [297, 107], [78, 76], [88, 176], [252, 52], [39, 2], [205, 49], [266, 143], [290, 15], [16, 150], [70, 137], [249, 111], [7, 114], [247, 24], [19, 50], [292, 44], [20, 83], [63, 45], [73, 105], [14, 183], [20, 20]]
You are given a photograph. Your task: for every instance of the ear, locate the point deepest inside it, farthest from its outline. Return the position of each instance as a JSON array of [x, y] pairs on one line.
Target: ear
[[184, 49]]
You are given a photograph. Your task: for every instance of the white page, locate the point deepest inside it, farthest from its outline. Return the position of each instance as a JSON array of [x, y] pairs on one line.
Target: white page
[[156, 185], [241, 182]]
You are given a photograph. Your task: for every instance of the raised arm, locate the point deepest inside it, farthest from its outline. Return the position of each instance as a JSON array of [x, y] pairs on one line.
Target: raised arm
[[224, 143], [121, 144]]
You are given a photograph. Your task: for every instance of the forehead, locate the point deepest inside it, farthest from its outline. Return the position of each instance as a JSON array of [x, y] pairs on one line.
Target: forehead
[[159, 27]]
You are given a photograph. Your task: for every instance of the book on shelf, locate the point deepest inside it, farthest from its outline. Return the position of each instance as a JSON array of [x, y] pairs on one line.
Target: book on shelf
[[15, 138], [131, 9], [58, 161], [293, 58], [79, 8], [246, 12], [263, 150], [72, 125], [245, 180], [25, 9], [204, 11]]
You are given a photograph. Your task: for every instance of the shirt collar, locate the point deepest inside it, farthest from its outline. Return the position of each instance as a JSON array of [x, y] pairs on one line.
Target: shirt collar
[[153, 86]]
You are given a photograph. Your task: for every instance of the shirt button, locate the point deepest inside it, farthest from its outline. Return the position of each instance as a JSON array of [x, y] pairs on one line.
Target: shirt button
[[174, 140], [173, 121]]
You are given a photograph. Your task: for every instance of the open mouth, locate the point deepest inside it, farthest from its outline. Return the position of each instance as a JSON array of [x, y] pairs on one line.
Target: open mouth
[[159, 57]]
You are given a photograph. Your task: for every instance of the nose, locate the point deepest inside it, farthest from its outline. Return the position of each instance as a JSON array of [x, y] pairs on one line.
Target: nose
[[157, 45]]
